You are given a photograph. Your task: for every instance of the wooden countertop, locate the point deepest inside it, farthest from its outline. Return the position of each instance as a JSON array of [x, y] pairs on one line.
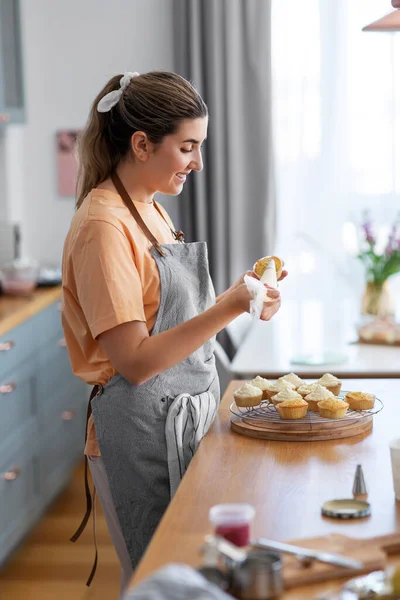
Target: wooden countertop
[[16, 310], [287, 482]]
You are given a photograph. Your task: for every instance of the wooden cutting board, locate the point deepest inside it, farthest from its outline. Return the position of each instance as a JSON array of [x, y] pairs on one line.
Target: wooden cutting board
[[372, 552], [377, 343], [292, 431]]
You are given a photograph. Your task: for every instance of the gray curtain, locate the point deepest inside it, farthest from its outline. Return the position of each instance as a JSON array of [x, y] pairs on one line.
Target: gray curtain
[[224, 48]]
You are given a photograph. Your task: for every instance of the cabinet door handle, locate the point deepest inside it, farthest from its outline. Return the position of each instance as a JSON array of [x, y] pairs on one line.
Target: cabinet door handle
[[62, 343], [6, 346], [11, 475], [67, 415], [7, 388]]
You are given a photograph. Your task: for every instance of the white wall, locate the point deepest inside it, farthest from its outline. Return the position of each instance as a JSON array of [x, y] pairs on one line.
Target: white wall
[[70, 49]]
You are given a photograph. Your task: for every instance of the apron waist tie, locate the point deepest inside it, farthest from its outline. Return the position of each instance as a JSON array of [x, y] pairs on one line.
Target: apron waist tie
[[89, 503]]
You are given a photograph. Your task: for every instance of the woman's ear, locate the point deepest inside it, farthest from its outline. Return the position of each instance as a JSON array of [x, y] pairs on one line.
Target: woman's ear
[[141, 146]]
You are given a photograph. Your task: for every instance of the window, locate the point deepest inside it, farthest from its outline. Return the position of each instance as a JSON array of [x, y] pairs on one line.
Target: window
[[296, 73]]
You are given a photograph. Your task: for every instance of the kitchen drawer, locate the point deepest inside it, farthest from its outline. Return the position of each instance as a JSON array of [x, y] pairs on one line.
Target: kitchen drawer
[[72, 397], [19, 486], [63, 444], [17, 399], [17, 345], [50, 326], [29, 337], [54, 369]]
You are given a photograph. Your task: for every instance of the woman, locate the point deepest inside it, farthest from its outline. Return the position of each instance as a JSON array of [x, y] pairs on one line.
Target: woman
[[139, 311]]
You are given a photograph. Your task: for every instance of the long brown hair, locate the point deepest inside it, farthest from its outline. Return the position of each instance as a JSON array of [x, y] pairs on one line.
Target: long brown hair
[[154, 103]]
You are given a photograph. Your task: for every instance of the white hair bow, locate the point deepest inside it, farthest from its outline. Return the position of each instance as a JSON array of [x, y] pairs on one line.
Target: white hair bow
[[112, 98]]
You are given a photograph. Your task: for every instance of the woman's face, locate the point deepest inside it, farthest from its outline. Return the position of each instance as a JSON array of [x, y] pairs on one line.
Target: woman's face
[[170, 163]]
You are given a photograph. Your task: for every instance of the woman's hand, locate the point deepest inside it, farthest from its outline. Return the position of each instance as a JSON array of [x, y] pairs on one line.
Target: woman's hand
[[271, 307], [239, 282], [252, 274], [241, 297], [283, 275]]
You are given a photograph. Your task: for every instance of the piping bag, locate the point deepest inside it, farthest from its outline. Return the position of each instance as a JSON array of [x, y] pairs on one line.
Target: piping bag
[[257, 289]]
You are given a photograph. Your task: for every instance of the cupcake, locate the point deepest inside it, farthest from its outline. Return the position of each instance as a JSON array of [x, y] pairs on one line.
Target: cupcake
[[285, 395], [248, 395], [292, 409], [318, 395], [262, 384], [262, 263], [332, 383], [360, 400], [332, 408], [278, 386], [307, 388], [292, 378]]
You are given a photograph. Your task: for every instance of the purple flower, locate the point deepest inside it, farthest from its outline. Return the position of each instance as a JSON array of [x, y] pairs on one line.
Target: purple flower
[[389, 249], [396, 232], [367, 228], [391, 243]]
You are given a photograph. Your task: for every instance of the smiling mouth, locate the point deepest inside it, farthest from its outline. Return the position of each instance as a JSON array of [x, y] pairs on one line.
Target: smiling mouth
[[181, 176]]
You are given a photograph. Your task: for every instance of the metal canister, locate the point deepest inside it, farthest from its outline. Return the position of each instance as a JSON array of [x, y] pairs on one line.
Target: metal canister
[[258, 577]]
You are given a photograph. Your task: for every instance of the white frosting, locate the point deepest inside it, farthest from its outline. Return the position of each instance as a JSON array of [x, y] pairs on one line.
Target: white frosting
[[248, 390], [286, 395], [328, 379], [279, 386], [292, 378], [269, 275], [310, 387], [321, 394], [261, 383]]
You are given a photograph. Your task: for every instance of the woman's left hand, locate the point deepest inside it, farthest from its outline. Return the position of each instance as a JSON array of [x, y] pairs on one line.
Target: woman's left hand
[[240, 280], [252, 274], [273, 304], [271, 307]]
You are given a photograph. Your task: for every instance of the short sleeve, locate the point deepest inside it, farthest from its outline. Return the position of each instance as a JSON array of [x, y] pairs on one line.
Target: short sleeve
[[107, 281]]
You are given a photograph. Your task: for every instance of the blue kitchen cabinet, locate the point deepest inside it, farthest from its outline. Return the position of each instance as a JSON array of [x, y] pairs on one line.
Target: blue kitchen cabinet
[[42, 423]]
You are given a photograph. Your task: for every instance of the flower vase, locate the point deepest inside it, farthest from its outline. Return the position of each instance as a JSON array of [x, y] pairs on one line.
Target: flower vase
[[377, 300]]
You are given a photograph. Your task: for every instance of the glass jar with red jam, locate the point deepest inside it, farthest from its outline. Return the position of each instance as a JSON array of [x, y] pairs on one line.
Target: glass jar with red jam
[[232, 521]]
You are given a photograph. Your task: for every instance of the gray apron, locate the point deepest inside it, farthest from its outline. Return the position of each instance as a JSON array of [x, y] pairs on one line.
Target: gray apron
[[148, 433]]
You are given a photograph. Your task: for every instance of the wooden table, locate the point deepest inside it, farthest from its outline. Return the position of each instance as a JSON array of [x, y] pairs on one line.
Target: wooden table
[[286, 482], [268, 348]]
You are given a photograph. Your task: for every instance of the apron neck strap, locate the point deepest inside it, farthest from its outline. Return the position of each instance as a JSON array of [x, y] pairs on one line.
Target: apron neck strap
[[178, 235], [119, 186]]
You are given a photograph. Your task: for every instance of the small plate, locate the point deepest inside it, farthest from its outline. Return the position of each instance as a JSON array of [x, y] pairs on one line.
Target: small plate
[[320, 358], [347, 508]]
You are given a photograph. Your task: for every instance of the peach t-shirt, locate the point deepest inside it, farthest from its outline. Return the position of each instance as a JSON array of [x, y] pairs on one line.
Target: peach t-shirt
[[109, 278]]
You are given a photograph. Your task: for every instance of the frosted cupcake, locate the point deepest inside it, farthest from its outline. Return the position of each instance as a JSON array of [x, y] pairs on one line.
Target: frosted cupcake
[[285, 395], [247, 395], [292, 409], [332, 383], [333, 408], [360, 400], [262, 384], [277, 387], [292, 378], [317, 396], [307, 388]]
